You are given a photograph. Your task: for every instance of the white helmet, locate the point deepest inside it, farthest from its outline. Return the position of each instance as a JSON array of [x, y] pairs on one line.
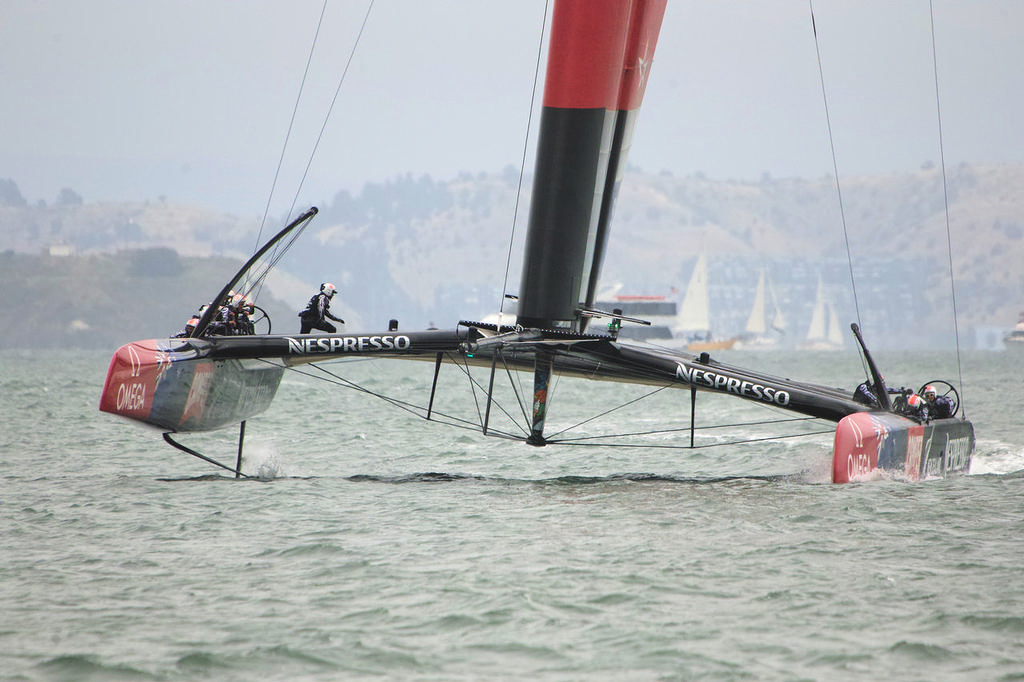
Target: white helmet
[[328, 288]]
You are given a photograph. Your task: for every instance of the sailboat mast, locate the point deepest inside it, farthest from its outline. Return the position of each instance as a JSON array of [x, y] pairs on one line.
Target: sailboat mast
[[644, 26], [598, 61]]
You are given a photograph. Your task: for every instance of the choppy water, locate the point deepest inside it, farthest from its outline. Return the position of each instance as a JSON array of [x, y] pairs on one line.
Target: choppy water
[[377, 547]]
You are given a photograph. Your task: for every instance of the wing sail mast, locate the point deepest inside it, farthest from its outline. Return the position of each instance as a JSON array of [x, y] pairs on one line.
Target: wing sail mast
[[598, 60]]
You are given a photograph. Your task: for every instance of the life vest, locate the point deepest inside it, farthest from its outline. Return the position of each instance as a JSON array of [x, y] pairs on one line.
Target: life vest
[[312, 308]]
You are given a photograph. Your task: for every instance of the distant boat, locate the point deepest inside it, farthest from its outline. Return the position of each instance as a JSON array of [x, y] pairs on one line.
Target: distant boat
[[660, 311], [758, 334], [694, 323], [824, 332], [1014, 339]]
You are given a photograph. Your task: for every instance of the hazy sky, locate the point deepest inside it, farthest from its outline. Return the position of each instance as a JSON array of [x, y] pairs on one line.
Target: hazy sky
[[133, 99]]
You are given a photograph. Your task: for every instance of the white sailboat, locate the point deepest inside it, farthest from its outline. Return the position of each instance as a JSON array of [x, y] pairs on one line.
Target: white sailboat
[[694, 325], [759, 334], [824, 332]]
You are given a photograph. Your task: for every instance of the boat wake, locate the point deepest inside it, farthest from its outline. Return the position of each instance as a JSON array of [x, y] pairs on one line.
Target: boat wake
[[997, 457], [440, 477]]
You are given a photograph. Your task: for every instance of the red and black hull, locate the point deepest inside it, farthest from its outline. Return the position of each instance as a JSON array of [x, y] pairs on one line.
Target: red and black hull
[[210, 383], [872, 443], [175, 387]]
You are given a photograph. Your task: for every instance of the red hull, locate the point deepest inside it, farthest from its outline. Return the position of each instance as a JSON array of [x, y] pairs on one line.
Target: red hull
[[166, 384], [870, 444]]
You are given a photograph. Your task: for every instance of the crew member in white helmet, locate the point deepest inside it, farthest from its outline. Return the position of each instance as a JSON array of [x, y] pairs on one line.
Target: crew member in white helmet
[[318, 309]]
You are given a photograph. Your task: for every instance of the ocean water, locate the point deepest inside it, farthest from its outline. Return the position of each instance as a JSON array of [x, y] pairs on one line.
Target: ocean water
[[371, 545]]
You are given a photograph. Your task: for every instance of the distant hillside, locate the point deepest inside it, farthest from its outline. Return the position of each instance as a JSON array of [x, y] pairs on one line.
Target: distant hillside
[[105, 300], [427, 251]]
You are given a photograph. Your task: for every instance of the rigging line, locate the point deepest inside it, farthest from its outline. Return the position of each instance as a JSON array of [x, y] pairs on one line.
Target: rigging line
[[835, 171], [330, 109], [474, 384], [516, 386], [270, 262], [518, 396], [517, 389], [458, 422], [291, 123], [945, 199], [453, 420], [522, 163], [607, 412], [695, 447], [327, 117], [409, 407], [687, 429]]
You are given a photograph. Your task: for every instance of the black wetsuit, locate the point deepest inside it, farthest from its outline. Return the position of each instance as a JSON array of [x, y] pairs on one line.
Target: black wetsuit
[[313, 316], [940, 408]]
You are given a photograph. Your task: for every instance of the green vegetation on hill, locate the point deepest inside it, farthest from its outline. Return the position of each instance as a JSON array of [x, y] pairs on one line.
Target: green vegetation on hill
[[425, 251], [106, 300]]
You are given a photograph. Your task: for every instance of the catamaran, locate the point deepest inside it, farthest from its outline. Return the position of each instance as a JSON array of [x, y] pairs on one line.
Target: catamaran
[[599, 62]]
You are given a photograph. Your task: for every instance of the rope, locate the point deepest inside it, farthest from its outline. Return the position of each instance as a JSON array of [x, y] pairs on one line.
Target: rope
[[275, 256], [522, 163], [945, 200], [697, 428], [411, 408], [696, 447], [607, 412], [447, 419], [835, 171], [278, 251], [291, 124], [330, 109]]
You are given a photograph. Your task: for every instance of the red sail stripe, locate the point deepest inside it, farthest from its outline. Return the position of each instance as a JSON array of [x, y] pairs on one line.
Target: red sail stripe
[[587, 46], [644, 26]]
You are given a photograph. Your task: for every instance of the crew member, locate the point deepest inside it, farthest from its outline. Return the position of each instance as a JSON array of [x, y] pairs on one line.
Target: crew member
[[939, 406], [190, 327], [224, 322], [916, 407], [243, 316], [313, 317], [865, 394]]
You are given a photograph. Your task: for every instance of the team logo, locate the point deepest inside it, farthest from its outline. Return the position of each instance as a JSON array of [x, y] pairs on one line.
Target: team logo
[[348, 344], [730, 384]]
